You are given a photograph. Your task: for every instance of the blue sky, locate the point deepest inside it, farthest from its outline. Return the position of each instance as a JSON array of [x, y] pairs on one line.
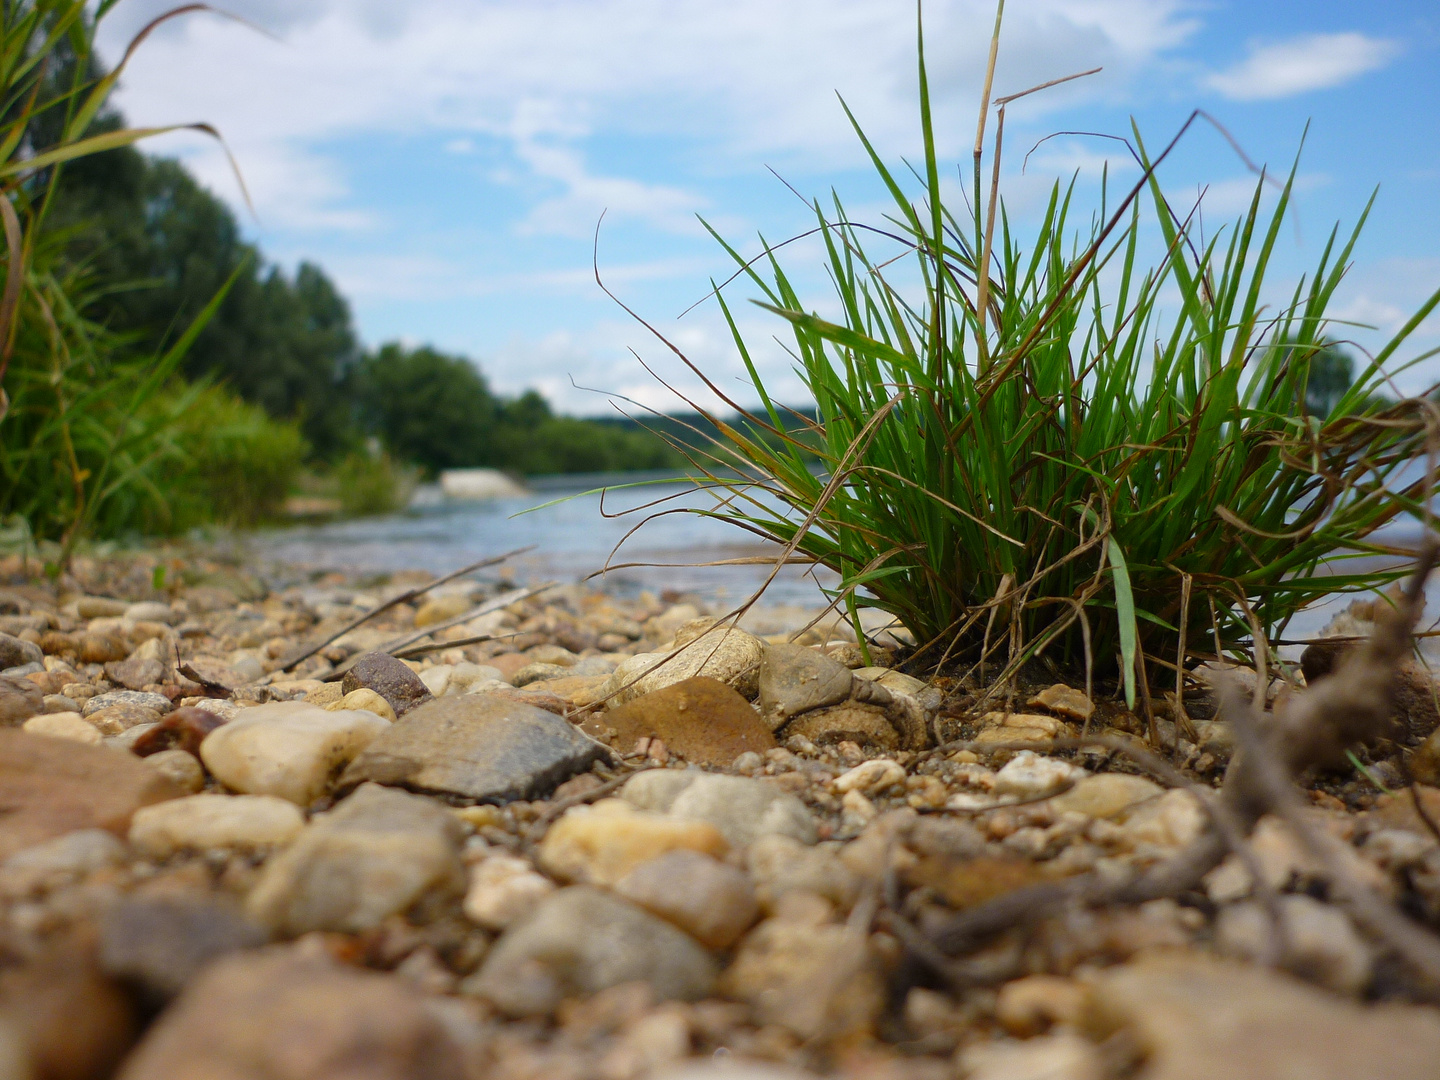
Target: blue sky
[[446, 161]]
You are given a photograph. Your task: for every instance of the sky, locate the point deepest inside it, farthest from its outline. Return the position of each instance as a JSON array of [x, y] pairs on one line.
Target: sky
[[447, 162]]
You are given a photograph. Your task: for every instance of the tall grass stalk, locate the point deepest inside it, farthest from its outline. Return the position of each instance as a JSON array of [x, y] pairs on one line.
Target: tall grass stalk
[[1024, 451]]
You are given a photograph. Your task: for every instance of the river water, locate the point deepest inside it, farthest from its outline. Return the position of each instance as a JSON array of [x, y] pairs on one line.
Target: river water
[[576, 530]]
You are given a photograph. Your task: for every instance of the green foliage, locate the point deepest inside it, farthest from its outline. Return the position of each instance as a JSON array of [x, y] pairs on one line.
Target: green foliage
[[167, 245], [1033, 456], [438, 412], [369, 483]]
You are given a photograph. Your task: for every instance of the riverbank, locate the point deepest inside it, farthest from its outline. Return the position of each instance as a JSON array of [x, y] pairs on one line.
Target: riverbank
[[505, 829]]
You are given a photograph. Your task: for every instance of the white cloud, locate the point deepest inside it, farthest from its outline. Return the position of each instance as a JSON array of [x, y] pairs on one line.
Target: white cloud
[[1310, 62], [740, 80]]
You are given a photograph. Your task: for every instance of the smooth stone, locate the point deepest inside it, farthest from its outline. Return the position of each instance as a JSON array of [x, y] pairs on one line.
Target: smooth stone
[[211, 671], [153, 611], [288, 748], [731, 656], [60, 861], [183, 729], [712, 902], [871, 776], [158, 703], [437, 678], [1321, 943], [50, 787], [865, 725], [578, 690], [135, 674], [20, 699], [1106, 795], [118, 719], [537, 672], [1195, 1018], [815, 978], [99, 607], [22, 670], [373, 856], [701, 719], [389, 678], [1028, 774], [181, 766], [1173, 820], [65, 725], [226, 710], [795, 679], [1065, 700], [503, 889], [15, 652], [280, 1014], [890, 679], [477, 747], [600, 844], [324, 694], [1061, 1055], [158, 944], [439, 608], [779, 865], [742, 808], [365, 699], [127, 739], [56, 703], [102, 648], [203, 822], [582, 940]]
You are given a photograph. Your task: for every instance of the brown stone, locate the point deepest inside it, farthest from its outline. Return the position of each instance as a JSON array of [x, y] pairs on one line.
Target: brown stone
[[20, 699], [389, 678], [135, 674], [701, 719], [962, 883], [1065, 700], [508, 664], [1414, 688], [1195, 1018], [183, 729], [212, 674], [54, 643], [118, 719], [277, 1015], [50, 787], [866, 725], [72, 1023], [102, 648]]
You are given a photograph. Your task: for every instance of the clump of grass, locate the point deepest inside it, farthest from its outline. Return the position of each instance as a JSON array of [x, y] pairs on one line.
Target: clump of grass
[[1023, 453]]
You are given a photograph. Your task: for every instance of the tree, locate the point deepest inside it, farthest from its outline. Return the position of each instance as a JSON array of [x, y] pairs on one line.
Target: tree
[[428, 408]]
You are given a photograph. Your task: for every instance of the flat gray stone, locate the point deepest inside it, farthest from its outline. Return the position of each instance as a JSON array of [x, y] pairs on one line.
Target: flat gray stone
[[582, 940], [795, 679], [476, 747], [743, 809], [373, 856]]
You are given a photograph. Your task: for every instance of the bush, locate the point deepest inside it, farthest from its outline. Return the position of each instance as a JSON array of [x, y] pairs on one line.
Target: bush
[[1032, 456]]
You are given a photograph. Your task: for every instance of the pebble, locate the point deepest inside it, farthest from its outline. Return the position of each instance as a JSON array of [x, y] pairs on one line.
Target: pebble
[[1028, 1006], [779, 865], [158, 944], [1061, 1056], [118, 719], [287, 1013], [600, 844], [795, 679], [202, 822], [60, 861], [1106, 795], [867, 726], [99, 607], [503, 888], [582, 940], [151, 611], [1028, 774], [1065, 700], [477, 747], [389, 678], [288, 748], [1193, 1016], [102, 648], [871, 777], [15, 652], [374, 855], [157, 703], [439, 608], [20, 699], [181, 766], [184, 729], [365, 699], [711, 901], [533, 673], [135, 673], [214, 672], [743, 809], [1320, 942], [64, 725], [701, 719], [50, 787], [726, 654], [1173, 820]]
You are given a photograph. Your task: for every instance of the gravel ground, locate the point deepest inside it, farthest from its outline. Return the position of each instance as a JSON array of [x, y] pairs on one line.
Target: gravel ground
[[504, 832]]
